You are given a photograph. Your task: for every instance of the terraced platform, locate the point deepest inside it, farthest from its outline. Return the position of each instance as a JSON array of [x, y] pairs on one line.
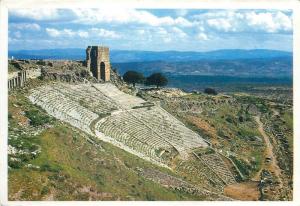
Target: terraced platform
[[119, 118]]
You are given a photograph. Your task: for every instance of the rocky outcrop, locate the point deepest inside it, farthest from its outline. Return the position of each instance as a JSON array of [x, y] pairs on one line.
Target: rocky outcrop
[[69, 76], [116, 79]]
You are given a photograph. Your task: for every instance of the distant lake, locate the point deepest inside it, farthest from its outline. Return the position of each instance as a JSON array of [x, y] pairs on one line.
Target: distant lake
[[225, 83]]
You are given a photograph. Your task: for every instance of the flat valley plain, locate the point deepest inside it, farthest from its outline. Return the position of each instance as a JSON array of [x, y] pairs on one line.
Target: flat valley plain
[[248, 152]]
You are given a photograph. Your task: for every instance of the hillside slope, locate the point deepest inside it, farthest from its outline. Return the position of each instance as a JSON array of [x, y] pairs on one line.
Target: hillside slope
[[50, 160]]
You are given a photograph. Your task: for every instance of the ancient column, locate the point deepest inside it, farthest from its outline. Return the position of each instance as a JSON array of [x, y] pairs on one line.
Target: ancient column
[[18, 81], [23, 76], [21, 81], [20, 78]]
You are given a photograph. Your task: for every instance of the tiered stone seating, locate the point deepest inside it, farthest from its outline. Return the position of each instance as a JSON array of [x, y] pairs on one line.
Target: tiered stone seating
[[148, 132], [90, 97], [124, 100], [161, 124], [203, 174], [129, 130], [215, 162], [63, 108], [169, 129]]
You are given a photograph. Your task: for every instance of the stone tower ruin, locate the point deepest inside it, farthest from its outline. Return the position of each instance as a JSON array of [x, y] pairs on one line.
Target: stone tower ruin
[[97, 61]]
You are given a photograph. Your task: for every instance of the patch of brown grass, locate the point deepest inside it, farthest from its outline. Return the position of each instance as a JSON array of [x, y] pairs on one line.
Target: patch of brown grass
[[247, 191], [205, 126]]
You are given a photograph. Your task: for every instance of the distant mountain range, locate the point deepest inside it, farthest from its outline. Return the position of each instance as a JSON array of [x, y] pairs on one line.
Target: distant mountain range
[[118, 56], [235, 62]]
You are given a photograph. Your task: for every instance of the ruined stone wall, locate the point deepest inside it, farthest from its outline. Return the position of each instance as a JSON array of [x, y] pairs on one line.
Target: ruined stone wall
[[33, 73], [97, 60], [88, 57], [12, 75]]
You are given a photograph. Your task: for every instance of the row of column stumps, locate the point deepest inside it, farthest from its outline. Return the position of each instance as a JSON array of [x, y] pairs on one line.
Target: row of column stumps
[[17, 81]]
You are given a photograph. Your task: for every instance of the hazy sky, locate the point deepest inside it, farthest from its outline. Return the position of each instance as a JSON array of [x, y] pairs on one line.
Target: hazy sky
[[157, 30]]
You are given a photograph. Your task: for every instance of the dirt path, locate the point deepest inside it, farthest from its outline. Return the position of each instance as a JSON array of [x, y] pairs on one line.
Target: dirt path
[[273, 165]]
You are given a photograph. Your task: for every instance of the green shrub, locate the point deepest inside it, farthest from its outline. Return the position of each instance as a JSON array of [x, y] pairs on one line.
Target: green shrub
[[37, 118], [157, 79], [229, 119], [241, 119], [15, 164], [26, 157], [210, 91], [133, 77], [53, 177], [47, 167], [242, 165], [45, 190], [149, 197], [99, 179], [209, 151], [82, 196], [41, 62]]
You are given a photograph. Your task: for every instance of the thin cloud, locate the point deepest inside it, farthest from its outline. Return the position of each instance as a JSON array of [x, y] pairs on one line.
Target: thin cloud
[[80, 33], [178, 32], [53, 32], [202, 36], [36, 14], [105, 33], [25, 26]]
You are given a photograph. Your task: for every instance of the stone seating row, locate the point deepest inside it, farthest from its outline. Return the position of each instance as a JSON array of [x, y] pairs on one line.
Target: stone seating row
[[124, 100], [66, 105], [127, 137], [91, 98], [123, 123], [215, 162], [202, 174], [63, 108], [169, 127]]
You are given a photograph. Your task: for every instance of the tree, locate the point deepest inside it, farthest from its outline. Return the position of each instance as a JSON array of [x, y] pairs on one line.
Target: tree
[[157, 79], [210, 91], [133, 77]]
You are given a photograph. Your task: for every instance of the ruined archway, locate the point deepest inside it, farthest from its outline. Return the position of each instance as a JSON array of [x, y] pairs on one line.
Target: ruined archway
[[102, 71], [97, 61]]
